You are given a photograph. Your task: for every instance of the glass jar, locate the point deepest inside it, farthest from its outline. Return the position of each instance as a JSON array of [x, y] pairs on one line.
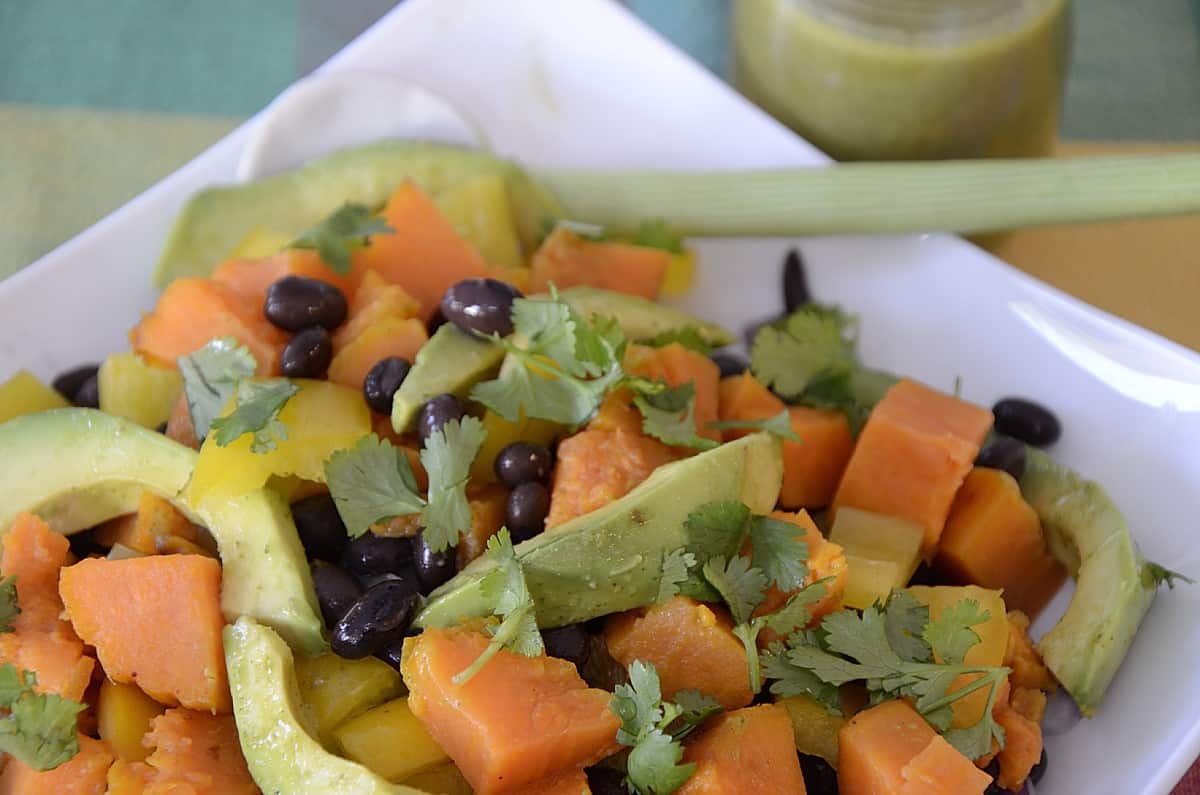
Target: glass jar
[[908, 79]]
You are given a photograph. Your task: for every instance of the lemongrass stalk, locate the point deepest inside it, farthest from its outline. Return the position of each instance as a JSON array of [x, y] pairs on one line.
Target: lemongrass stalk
[[855, 198]]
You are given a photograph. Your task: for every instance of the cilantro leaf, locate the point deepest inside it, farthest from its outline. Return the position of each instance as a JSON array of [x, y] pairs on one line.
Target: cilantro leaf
[[688, 336], [778, 553], [504, 588], [655, 233], [10, 608], [638, 704], [256, 413], [1155, 575], [951, 636], [372, 483], [210, 374], [447, 457], [653, 765], [676, 568], [792, 680], [904, 623], [347, 228], [795, 614], [669, 414], [41, 728], [741, 586], [779, 426], [695, 708], [805, 346], [538, 390]]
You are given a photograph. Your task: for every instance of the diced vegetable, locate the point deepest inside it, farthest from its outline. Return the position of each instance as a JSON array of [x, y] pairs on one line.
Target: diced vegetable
[[565, 259], [678, 365], [881, 553], [814, 727], [517, 721], [25, 394], [84, 773], [123, 716], [155, 622], [481, 212], [749, 750], [391, 741], [375, 300], [190, 312], [691, 645], [391, 336], [197, 750], [488, 505], [1022, 744], [422, 236], [1028, 670], [993, 538], [743, 397], [596, 467], [444, 779], [826, 561], [146, 531], [250, 275], [912, 456], [334, 689], [133, 388], [813, 466], [573, 782]]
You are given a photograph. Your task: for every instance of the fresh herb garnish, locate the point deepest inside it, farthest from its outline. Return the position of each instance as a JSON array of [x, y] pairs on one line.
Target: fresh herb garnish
[[40, 729], [9, 607], [669, 413], [210, 376], [779, 426], [373, 482], [349, 227], [653, 729], [256, 413], [1155, 575], [688, 336], [881, 649], [505, 590], [676, 569]]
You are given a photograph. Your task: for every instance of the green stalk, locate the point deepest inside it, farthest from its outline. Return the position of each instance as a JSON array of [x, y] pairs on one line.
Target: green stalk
[[855, 198]]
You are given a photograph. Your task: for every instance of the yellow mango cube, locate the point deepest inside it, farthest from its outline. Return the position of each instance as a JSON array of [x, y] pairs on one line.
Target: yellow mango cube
[[391, 741], [444, 779], [815, 728], [882, 553], [132, 388], [123, 716], [25, 394], [334, 689]]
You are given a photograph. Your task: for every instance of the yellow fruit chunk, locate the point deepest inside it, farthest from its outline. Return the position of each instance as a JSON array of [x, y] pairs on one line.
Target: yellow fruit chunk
[[815, 727], [25, 394], [882, 553], [482, 213], [391, 741], [333, 689], [444, 779], [681, 272], [123, 716], [321, 418], [993, 639]]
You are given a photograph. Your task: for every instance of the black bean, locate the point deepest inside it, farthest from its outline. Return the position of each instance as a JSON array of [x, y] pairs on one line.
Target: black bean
[[307, 354], [1004, 453], [295, 303], [481, 305], [369, 555], [320, 527], [88, 396], [382, 381], [526, 511], [377, 618], [605, 781], [433, 568], [67, 384], [436, 412], [571, 643], [393, 652], [523, 462], [84, 545], [336, 591], [819, 776], [795, 283], [1027, 421], [730, 363]]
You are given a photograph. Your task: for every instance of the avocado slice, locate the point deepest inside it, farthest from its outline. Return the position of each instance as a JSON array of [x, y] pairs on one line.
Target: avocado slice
[[451, 361], [214, 221], [1086, 531], [281, 753], [640, 318], [78, 467], [611, 559]]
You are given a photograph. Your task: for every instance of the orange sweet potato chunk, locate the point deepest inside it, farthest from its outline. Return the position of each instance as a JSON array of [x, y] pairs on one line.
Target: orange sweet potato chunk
[[424, 256], [743, 397], [196, 753], [190, 312], [885, 750], [1022, 657], [155, 519], [375, 301], [391, 336], [596, 467], [518, 721], [573, 782], [1022, 745], [692, 646], [250, 278], [912, 455], [748, 750], [488, 504], [41, 641], [156, 623], [179, 424], [84, 774], [993, 538], [565, 259], [677, 366], [826, 560], [813, 467]]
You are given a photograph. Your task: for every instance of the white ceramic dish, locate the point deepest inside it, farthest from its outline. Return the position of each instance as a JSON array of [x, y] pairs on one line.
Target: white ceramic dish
[[584, 84]]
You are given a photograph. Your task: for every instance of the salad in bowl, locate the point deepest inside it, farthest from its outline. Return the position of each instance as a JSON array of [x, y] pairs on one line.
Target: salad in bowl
[[410, 483]]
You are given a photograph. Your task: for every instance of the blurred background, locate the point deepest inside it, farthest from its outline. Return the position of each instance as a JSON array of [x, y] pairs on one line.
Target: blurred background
[[101, 98]]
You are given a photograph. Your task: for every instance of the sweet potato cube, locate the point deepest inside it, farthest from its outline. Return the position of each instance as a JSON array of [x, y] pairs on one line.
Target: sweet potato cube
[[565, 259], [748, 750]]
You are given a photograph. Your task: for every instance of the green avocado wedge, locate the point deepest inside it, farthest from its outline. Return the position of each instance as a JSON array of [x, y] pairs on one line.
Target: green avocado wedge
[[452, 361], [611, 559], [78, 467], [215, 220], [640, 318], [282, 755], [1086, 531]]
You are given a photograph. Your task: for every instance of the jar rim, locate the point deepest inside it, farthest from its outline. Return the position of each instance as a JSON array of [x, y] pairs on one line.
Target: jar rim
[[927, 22]]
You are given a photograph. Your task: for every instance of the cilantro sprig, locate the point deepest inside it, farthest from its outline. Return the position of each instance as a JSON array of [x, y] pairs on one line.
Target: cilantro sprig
[[1155, 575], [9, 607], [896, 652], [40, 729], [346, 229], [374, 482], [779, 426], [653, 728], [688, 336], [504, 588], [669, 413], [210, 376], [256, 413]]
